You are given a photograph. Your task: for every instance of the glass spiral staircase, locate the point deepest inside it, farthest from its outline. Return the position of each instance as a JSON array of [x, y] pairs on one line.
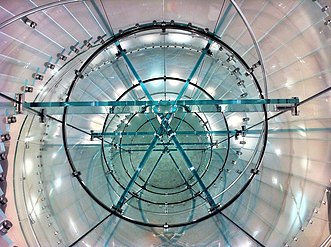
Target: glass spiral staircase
[[165, 123]]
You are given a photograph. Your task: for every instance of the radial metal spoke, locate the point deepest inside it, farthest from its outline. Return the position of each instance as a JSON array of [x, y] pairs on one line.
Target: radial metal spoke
[[172, 136], [154, 168], [180, 121], [193, 170], [138, 170], [187, 82], [199, 61], [179, 171], [134, 71]]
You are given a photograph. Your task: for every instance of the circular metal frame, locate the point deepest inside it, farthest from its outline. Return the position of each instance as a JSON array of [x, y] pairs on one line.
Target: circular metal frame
[[163, 26], [195, 195], [105, 127]]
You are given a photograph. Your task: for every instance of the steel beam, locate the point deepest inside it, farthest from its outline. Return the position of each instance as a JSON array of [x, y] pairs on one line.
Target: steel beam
[[161, 150], [162, 102], [138, 170], [179, 171], [148, 133], [187, 82], [192, 132], [193, 170], [120, 110], [134, 71], [154, 168], [159, 144]]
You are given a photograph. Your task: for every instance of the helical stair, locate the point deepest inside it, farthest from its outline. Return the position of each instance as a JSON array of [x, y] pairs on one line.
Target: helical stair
[[165, 123]]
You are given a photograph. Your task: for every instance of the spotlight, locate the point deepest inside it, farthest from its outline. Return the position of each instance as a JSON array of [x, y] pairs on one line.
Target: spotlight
[[88, 44], [76, 173], [230, 58], [79, 74], [27, 89], [209, 53], [5, 226], [11, 119], [325, 8], [236, 135], [257, 64], [29, 22], [49, 65], [19, 104], [236, 71], [42, 116], [5, 137], [243, 130], [3, 156], [241, 83], [37, 76], [243, 95], [74, 49], [100, 40], [255, 171], [118, 210], [254, 66], [61, 57], [3, 200]]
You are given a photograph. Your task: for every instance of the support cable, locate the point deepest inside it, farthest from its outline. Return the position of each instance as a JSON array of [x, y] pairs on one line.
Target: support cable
[[242, 229], [89, 231]]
